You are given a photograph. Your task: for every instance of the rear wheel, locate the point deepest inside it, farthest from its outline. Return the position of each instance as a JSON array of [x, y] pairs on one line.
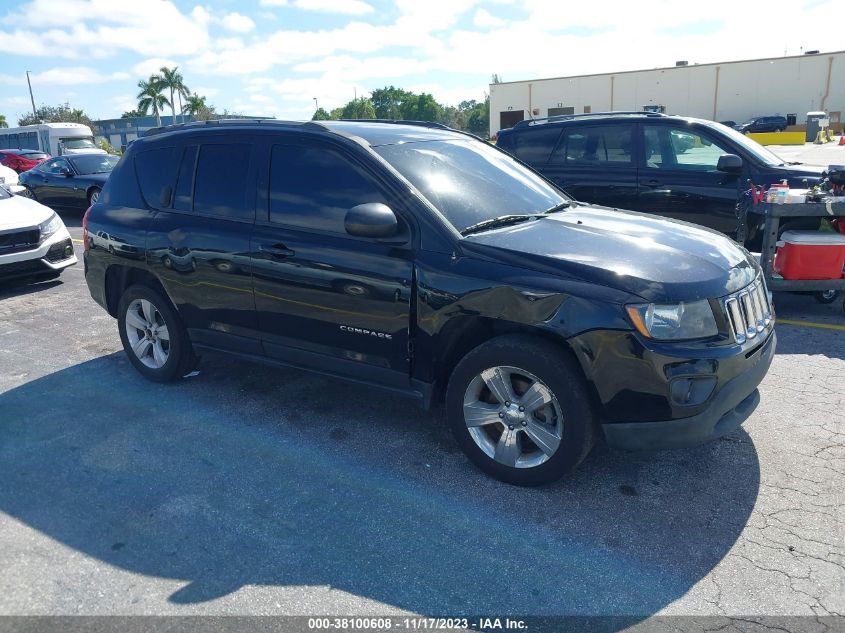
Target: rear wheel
[[520, 410], [826, 296], [153, 335]]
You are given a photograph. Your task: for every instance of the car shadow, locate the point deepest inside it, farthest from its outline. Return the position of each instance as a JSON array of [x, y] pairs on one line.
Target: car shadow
[[21, 287], [246, 475]]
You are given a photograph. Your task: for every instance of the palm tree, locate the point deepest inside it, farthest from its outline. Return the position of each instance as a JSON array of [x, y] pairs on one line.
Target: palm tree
[[194, 105], [3, 121], [151, 97], [172, 79]]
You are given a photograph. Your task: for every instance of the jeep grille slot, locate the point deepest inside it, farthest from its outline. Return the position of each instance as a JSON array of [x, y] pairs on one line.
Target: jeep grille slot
[[748, 312]]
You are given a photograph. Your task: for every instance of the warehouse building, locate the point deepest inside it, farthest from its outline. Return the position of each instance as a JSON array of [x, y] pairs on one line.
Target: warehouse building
[[724, 91]]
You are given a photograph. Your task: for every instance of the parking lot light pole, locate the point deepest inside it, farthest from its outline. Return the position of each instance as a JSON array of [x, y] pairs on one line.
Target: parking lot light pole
[[31, 98]]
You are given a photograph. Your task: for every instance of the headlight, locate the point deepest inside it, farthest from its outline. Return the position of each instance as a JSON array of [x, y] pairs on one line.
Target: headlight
[[674, 322], [48, 227]]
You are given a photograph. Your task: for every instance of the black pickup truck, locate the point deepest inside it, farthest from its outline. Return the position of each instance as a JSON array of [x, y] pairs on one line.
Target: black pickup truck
[[423, 261]]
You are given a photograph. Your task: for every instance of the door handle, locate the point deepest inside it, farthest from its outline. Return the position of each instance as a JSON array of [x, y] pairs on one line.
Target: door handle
[[652, 182], [279, 251]]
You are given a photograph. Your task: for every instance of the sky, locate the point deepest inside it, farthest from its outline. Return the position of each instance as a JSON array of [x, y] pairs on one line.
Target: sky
[[275, 57]]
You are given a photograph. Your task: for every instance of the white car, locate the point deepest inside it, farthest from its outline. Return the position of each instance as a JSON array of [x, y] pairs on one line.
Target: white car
[[33, 239], [8, 176]]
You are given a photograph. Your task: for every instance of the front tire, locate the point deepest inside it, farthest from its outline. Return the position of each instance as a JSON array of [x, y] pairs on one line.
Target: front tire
[[153, 335], [93, 195], [520, 410]]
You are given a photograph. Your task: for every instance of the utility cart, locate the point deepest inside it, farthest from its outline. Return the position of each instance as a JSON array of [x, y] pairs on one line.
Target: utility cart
[[773, 214]]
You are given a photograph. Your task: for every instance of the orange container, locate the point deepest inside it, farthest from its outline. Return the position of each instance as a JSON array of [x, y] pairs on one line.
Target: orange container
[[810, 255]]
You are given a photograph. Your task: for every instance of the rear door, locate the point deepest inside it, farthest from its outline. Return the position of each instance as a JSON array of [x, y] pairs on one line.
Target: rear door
[[594, 162], [326, 299], [678, 177], [204, 191]]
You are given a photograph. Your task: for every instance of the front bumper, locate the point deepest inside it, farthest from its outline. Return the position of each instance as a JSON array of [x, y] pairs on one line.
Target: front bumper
[[46, 258], [727, 410]]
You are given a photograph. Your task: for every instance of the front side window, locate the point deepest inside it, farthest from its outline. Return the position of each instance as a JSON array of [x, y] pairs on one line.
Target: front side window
[[55, 166], [469, 181], [221, 186], [681, 148], [312, 187], [594, 144], [535, 145]]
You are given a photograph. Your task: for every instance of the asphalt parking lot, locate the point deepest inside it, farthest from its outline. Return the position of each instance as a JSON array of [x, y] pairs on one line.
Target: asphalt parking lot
[[252, 490]]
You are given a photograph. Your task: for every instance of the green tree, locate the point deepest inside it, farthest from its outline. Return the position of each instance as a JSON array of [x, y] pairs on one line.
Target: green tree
[[336, 113], [195, 106], [62, 113], [422, 107], [321, 115], [131, 114], [150, 97], [388, 101], [360, 108], [478, 121], [171, 79], [3, 121]]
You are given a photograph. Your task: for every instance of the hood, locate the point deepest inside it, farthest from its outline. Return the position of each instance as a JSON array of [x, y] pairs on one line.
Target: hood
[[658, 259], [8, 175], [20, 213], [796, 175]]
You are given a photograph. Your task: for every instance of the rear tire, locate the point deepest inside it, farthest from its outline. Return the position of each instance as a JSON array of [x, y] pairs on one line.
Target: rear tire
[[153, 336], [826, 297], [546, 425]]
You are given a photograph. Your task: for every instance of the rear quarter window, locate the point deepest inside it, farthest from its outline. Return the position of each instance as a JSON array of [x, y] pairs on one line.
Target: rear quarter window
[[535, 145], [155, 169]]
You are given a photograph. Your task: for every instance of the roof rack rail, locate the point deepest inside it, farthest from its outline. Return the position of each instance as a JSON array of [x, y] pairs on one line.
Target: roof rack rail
[[431, 124], [198, 124], [567, 117]]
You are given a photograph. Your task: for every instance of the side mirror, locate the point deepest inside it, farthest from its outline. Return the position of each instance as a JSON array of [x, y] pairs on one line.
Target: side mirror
[[729, 163], [66, 172], [372, 219]]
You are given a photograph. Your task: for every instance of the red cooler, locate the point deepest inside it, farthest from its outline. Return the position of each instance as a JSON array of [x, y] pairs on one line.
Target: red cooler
[[810, 255]]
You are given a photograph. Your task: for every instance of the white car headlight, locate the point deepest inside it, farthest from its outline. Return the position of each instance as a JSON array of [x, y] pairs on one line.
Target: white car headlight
[[674, 322], [50, 226]]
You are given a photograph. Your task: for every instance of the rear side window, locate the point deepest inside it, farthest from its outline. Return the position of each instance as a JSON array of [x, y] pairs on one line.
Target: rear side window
[[312, 187], [535, 145], [594, 144], [221, 186], [154, 168]]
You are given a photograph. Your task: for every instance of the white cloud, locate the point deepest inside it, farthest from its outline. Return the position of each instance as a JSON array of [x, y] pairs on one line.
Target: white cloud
[[73, 75], [484, 19], [274, 3], [151, 66], [349, 7], [237, 23]]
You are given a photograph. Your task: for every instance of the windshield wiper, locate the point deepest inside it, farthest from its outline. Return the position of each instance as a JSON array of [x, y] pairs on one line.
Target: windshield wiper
[[502, 220], [558, 207]]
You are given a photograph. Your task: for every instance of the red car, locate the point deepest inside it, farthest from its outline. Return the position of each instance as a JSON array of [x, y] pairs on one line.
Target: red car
[[22, 160]]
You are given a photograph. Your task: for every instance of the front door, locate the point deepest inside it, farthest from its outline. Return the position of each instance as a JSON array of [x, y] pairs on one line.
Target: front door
[[49, 184], [324, 298], [678, 178], [595, 163]]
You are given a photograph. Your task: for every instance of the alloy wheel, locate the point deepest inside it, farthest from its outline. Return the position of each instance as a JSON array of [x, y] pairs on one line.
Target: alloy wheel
[[147, 333], [513, 417]]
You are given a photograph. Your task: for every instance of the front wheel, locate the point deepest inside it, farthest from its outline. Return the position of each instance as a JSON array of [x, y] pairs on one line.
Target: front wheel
[[153, 335], [27, 193], [520, 410], [93, 195]]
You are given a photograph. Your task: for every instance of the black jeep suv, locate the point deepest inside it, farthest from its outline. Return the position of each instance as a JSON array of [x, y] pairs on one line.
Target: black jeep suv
[[678, 167], [431, 264]]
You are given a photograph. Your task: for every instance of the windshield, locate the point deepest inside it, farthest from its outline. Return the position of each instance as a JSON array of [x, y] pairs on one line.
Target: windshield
[[4, 193], [94, 163], [79, 143], [469, 182], [752, 147]]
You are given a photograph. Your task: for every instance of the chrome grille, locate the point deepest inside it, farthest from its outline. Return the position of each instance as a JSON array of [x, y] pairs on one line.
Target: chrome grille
[[748, 312]]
